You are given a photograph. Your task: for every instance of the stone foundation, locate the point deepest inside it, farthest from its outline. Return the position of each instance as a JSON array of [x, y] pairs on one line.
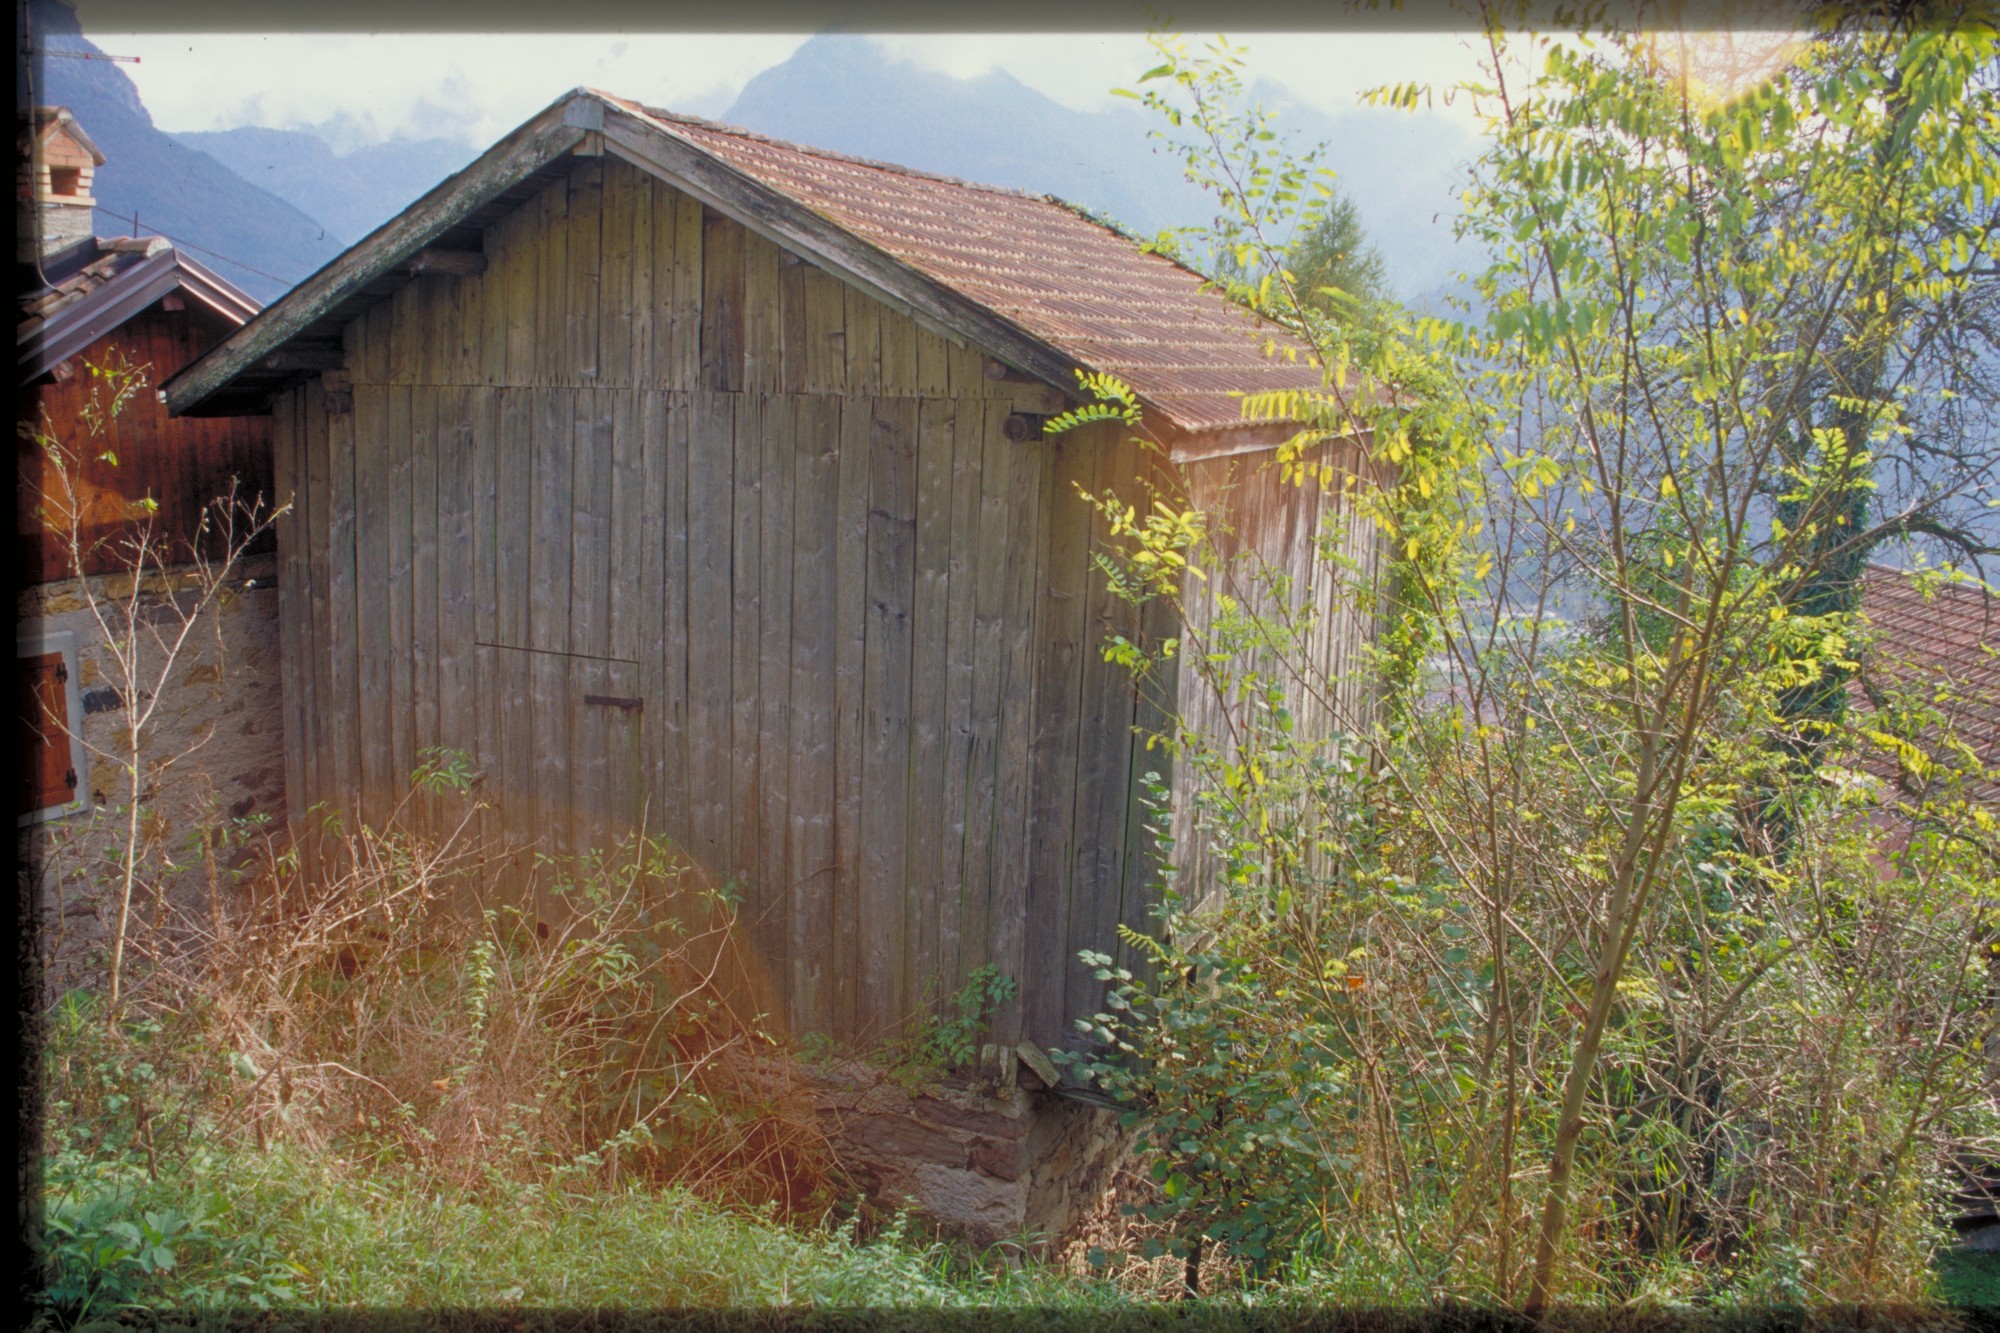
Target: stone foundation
[[988, 1159], [220, 720]]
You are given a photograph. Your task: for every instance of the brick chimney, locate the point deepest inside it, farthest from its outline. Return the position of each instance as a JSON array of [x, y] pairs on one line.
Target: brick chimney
[[58, 161]]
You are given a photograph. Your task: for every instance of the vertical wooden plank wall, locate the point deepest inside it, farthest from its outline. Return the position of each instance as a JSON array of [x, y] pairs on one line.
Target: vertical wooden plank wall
[[1266, 524], [649, 456]]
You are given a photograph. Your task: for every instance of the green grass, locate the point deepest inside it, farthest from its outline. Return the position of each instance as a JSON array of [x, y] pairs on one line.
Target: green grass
[[330, 1236], [1969, 1280]]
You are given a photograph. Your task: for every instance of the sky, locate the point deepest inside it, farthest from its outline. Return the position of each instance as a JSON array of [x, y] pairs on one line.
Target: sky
[[476, 87]]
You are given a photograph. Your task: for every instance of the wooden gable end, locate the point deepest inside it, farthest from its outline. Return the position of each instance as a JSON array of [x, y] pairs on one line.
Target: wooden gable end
[[181, 465]]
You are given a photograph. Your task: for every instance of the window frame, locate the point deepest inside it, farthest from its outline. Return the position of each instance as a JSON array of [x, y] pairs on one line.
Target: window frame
[[32, 640]]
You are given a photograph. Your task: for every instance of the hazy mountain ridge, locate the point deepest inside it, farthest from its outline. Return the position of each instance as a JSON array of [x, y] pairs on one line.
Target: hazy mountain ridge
[[285, 201], [846, 93], [251, 236], [353, 192]]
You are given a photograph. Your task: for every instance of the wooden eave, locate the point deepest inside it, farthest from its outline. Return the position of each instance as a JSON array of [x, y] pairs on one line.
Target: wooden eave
[[45, 342], [242, 374], [653, 146], [245, 372]]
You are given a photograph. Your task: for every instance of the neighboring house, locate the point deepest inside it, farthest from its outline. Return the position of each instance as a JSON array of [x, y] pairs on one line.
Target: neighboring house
[[1936, 650], [87, 304], [685, 477], [1938, 647]]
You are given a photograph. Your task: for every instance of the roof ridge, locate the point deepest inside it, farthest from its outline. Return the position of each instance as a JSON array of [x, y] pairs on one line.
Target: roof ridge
[[1081, 211], [810, 150]]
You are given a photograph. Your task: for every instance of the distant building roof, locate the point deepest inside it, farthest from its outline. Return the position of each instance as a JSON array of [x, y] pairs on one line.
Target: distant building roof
[[1028, 278], [93, 287], [1942, 645]]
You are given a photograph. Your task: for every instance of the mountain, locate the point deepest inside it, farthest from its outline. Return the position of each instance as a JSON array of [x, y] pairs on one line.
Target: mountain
[[249, 235], [352, 192], [844, 92]]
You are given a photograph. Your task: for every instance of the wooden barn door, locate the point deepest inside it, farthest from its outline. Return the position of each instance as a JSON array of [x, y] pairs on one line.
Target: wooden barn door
[[562, 748]]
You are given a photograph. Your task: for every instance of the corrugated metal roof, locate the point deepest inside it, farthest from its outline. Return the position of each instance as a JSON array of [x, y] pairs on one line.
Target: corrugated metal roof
[[1073, 283]]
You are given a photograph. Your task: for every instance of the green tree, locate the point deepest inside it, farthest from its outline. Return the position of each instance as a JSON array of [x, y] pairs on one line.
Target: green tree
[[1719, 357]]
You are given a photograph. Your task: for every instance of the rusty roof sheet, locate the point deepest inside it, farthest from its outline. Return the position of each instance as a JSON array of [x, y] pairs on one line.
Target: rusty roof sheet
[[1072, 283], [1944, 648]]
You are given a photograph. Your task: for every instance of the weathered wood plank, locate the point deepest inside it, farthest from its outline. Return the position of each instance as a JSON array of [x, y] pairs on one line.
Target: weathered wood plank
[[510, 547], [464, 416], [1105, 758], [850, 617], [763, 334], [628, 490], [616, 309], [814, 780], [287, 467], [488, 337], [898, 353], [1012, 828], [371, 597], [522, 285], [722, 297], [647, 594], [710, 458], [679, 221], [343, 654], [590, 739], [318, 526], [792, 271], [962, 583], [925, 883], [550, 749], [993, 547], [746, 592], [1153, 718], [551, 513], [645, 294], [372, 336], [405, 346], [885, 774], [825, 333], [863, 342], [591, 480], [584, 242], [774, 689], [1060, 649], [510, 704], [554, 351], [676, 649], [933, 364], [425, 446], [397, 528]]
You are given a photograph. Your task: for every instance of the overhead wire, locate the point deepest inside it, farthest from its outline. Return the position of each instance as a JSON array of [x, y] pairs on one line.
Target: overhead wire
[[198, 249]]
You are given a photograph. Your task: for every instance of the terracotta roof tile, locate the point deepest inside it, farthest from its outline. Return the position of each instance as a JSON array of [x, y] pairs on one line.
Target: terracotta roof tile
[[1070, 282], [1946, 648]]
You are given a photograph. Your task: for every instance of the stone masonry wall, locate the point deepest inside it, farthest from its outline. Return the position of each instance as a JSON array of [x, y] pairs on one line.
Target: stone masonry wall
[[989, 1160], [213, 753]]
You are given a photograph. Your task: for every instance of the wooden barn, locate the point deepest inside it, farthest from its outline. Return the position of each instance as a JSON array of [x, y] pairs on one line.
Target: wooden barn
[[687, 478]]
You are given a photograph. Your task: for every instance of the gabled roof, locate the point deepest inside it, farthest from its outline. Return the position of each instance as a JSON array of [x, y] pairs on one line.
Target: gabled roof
[[96, 285], [1942, 646], [49, 119], [1027, 278]]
